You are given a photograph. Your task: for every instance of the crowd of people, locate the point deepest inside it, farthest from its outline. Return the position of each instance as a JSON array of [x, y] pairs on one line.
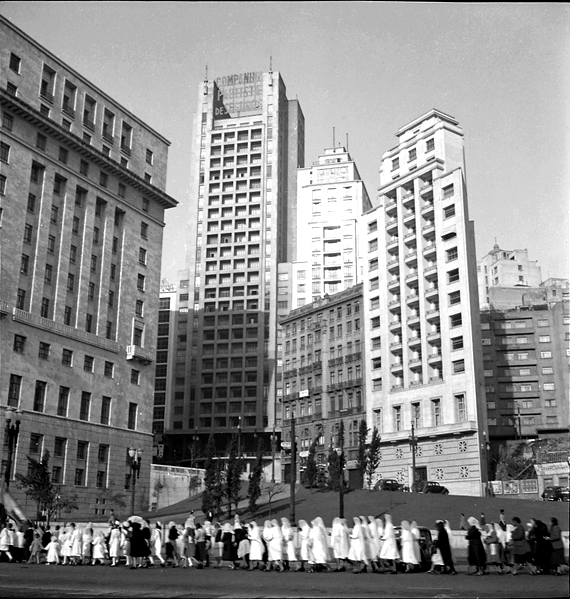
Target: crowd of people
[[369, 545]]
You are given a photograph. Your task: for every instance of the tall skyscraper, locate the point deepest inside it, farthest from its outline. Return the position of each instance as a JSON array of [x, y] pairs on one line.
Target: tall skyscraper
[[82, 201], [248, 142], [424, 362]]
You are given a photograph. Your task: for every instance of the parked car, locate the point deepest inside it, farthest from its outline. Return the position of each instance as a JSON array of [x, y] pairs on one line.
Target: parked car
[[556, 494], [426, 543], [388, 484], [428, 486]]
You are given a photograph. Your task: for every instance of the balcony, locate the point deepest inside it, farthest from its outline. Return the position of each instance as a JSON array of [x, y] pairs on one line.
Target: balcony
[[412, 276], [88, 124], [413, 319], [409, 217], [47, 96], [396, 367], [395, 324], [434, 358], [411, 257], [393, 283], [414, 341], [394, 303], [392, 243], [108, 137], [434, 335], [125, 149], [395, 345], [134, 352], [429, 249], [431, 291]]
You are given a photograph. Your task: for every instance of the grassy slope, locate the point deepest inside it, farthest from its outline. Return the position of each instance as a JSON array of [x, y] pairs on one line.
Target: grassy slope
[[424, 509]]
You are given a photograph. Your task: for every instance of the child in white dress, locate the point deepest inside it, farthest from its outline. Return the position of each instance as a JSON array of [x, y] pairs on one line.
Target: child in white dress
[[52, 551]]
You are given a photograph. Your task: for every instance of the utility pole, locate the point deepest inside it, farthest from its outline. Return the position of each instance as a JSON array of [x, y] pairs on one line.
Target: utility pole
[[413, 445], [293, 470]]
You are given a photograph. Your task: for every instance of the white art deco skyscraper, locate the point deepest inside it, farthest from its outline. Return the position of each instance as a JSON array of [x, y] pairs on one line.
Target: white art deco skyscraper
[[424, 360]]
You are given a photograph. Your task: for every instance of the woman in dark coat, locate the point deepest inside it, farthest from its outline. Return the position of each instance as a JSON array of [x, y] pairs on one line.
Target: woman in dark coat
[[520, 548], [476, 555], [557, 559], [540, 544], [229, 548], [139, 546], [442, 543]]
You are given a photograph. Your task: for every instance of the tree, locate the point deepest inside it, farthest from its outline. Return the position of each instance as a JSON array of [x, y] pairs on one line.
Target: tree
[[361, 454], [213, 488], [512, 465], [311, 470], [38, 486], [273, 489], [233, 475], [254, 488], [373, 456]]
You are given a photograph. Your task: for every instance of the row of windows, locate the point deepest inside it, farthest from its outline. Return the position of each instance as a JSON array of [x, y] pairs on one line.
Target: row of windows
[[91, 110], [417, 414], [63, 401]]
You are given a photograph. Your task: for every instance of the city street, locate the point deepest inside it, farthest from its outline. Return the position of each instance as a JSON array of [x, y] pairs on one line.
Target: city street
[[22, 580]]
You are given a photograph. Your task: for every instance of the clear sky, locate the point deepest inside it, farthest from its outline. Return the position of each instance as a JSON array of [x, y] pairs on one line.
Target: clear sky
[[364, 68]]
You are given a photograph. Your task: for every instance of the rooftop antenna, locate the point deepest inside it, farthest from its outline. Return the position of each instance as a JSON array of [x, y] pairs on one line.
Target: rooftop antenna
[[270, 63], [206, 79], [347, 142], [334, 142]]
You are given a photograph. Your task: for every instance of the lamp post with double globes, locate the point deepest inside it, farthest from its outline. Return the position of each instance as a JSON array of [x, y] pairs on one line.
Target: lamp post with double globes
[[136, 457], [273, 441], [340, 453], [12, 432]]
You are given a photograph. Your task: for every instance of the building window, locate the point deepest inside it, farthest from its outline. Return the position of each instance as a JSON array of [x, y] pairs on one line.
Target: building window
[[85, 405], [149, 156], [455, 320], [109, 369], [3, 184], [135, 376], [15, 62], [451, 254], [63, 155], [544, 339], [430, 145], [4, 152], [461, 407], [44, 309], [40, 396], [144, 230], [132, 416], [397, 413], [35, 443], [19, 343], [103, 179], [436, 411], [141, 282], [105, 410], [67, 357], [453, 276], [7, 121], [14, 390], [79, 480], [43, 352]]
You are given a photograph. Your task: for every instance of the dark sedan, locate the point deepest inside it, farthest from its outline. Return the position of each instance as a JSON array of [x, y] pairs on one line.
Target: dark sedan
[[388, 484], [426, 544], [432, 487], [556, 494]]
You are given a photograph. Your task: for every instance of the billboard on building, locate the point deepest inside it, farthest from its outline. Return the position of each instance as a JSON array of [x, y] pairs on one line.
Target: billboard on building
[[238, 95]]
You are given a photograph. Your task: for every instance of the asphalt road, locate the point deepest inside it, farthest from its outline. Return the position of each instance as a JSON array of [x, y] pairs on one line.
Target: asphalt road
[[22, 580]]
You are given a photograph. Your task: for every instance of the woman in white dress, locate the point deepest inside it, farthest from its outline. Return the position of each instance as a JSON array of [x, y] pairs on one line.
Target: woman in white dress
[[66, 544], [366, 543], [267, 536], [320, 545], [305, 552], [76, 545], [156, 545], [276, 545], [389, 551], [5, 542], [355, 548], [374, 542], [340, 541], [436, 558], [416, 535], [98, 554], [289, 541], [86, 543], [407, 541], [52, 549], [255, 547], [115, 545]]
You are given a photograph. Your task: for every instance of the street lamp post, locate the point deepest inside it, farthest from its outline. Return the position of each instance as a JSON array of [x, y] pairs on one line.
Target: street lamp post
[[340, 452], [136, 457], [12, 432], [413, 445], [273, 439], [293, 470], [194, 443], [239, 439]]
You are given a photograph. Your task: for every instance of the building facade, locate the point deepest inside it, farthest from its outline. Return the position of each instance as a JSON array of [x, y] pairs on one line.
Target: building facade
[[248, 142], [331, 196], [505, 268], [323, 380], [423, 348], [82, 206], [526, 357]]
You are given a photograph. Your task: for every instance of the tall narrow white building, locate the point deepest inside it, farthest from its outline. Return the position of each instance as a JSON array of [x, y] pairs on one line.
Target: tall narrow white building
[[424, 366], [331, 196]]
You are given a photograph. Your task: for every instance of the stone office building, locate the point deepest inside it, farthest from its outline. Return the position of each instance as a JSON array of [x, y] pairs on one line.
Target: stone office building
[[82, 201]]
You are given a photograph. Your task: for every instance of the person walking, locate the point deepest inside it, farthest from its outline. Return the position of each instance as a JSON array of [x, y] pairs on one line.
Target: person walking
[[76, 545], [98, 554], [389, 552], [36, 550], [256, 548], [520, 548], [305, 553], [409, 557], [492, 547], [289, 542], [171, 545], [87, 544], [115, 545], [229, 549], [320, 546], [52, 549], [340, 541], [541, 546], [475, 551], [557, 560], [5, 543], [275, 548]]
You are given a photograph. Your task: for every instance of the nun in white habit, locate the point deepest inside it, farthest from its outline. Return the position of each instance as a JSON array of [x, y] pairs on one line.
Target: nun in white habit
[[340, 541], [305, 553], [355, 549], [289, 542], [320, 545], [408, 554], [276, 545], [389, 551], [256, 548]]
